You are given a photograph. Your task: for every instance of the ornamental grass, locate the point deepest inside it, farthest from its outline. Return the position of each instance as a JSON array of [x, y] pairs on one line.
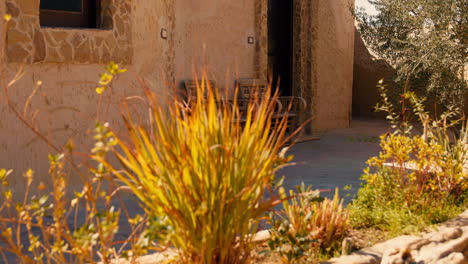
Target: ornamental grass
[[201, 169]]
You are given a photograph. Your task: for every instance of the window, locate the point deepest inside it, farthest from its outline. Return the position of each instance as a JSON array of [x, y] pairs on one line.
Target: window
[[70, 13]]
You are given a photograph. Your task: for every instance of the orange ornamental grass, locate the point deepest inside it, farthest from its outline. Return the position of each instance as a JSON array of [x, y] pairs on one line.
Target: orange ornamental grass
[[201, 170], [308, 226]]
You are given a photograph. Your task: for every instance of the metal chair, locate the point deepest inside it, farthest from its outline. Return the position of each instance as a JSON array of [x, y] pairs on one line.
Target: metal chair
[[191, 87], [289, 107]]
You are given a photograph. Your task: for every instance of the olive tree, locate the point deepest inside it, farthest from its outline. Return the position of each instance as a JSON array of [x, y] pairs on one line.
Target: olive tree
[[425, 41]]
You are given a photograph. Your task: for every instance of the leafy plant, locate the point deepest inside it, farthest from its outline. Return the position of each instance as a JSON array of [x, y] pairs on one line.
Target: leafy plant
[[330, 219], [202, 170], [50, 228], [410, 185], [418, 179], [308, 226]]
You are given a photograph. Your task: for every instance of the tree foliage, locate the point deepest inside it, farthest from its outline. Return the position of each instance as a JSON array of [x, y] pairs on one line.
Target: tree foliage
[[425, 41]]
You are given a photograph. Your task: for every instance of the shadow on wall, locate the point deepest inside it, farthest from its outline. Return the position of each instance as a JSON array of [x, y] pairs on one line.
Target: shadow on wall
[[368, 70]]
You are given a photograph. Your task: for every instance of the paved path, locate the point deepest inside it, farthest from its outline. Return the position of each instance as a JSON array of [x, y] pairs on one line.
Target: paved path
[[338, 158]]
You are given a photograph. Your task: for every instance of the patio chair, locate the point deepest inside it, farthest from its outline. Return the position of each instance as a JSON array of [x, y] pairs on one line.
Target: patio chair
[[289, 107], [191, 87], [248, 87], [191, 92]]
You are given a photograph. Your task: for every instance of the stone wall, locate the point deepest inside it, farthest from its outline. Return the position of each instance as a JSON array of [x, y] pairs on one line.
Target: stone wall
[[261, 33], [302, 58], [28, 42]]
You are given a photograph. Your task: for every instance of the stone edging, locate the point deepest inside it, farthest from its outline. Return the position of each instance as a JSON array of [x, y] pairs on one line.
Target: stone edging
[[446, 246], [449, 245]]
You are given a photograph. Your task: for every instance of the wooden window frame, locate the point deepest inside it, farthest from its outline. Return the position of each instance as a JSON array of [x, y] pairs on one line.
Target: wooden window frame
[[89, 17]]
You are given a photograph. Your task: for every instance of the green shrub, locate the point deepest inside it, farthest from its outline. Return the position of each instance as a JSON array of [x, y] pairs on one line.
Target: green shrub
[[411, 184], [418, 179], [202, 170], [308, 227]]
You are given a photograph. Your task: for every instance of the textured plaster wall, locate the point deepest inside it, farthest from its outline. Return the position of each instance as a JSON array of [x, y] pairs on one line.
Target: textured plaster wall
[[67, 100], [368, 70], [213, 35], [332, 63]]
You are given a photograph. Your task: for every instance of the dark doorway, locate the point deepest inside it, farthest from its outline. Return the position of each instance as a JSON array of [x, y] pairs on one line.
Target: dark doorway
[[280, 14]]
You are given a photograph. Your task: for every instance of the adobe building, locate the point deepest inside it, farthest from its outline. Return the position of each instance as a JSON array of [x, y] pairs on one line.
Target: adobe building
[[66, 43]]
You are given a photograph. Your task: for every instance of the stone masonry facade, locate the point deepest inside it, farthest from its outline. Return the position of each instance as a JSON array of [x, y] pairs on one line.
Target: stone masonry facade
[[28, 42]]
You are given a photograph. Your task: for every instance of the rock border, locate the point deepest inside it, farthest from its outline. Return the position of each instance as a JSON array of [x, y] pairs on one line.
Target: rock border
[[448, 245]]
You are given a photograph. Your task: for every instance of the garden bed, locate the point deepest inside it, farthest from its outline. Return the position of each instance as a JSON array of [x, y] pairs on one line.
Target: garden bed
[[447, 245]]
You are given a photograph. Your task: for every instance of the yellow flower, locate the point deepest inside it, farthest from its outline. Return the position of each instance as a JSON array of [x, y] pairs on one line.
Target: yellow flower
[[105, 79], [100, 90], [7, 17]]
